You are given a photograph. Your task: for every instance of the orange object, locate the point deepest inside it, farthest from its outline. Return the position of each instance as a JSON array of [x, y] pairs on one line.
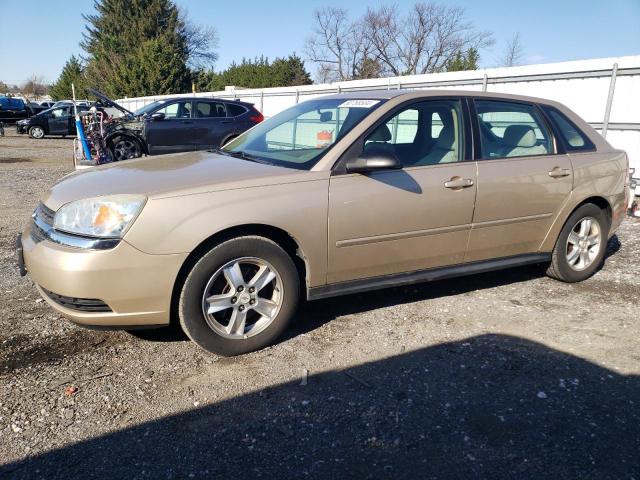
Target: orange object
[[324, 138]]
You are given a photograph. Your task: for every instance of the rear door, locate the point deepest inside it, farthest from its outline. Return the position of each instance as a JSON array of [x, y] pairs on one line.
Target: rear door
[[212, 124], [173, 133], [396, 221], [522, 181]]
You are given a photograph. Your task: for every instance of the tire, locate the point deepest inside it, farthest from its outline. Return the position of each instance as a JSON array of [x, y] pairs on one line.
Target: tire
[[577, 258], [228, 139], [215, 297], [36, 132], [125, 148]]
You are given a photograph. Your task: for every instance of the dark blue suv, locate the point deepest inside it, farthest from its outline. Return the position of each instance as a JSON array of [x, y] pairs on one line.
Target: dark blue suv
[[176, 124]]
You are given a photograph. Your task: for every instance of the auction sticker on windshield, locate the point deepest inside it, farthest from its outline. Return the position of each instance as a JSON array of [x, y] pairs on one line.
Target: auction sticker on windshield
[[358, 104]]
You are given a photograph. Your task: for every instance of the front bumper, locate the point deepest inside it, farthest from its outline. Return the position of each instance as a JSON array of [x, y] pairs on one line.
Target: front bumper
[[136, 286], [22, 128]]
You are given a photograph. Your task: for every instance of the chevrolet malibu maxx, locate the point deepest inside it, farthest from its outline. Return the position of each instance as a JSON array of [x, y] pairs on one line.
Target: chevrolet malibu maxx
[[334, 196]]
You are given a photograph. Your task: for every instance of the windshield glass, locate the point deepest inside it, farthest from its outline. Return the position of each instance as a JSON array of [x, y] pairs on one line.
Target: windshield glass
[[149, 108], [299, 136]]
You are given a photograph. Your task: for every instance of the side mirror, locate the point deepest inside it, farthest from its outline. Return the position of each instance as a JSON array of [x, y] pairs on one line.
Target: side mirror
[[326, 117], [157, 116], [374, 158]]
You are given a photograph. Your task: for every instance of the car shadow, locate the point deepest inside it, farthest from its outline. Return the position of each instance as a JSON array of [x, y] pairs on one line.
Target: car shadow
[[489, 406]]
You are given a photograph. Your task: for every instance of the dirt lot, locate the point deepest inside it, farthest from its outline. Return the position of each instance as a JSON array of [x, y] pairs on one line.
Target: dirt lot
[[503, 375]]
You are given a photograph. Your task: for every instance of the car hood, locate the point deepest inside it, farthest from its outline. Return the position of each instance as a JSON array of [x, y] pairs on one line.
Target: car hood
[[106, 101], [171, 175]]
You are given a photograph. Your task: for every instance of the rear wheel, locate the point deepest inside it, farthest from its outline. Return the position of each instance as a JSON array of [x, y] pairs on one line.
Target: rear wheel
[[581, 246], [240, 296], [124, 148], [36, 132]]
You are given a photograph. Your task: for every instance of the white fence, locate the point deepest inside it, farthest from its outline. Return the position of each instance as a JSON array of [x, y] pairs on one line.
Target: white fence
[[605, 92]]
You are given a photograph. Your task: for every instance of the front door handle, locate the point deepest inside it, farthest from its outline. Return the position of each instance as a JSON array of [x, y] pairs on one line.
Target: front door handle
[[558, 172], [458, 183]]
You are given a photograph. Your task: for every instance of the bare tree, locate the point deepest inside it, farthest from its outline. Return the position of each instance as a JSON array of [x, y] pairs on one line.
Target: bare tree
[[202, 42], [35, 87], [424, 40], [384, 42], [340, 48], [513, 52]]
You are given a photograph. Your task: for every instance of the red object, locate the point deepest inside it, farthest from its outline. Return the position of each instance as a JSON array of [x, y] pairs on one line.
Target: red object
[[257, 117], [70, 390]]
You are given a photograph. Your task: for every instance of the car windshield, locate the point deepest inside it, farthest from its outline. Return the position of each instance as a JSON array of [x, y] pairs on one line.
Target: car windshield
[[299, 136], [149, 108]]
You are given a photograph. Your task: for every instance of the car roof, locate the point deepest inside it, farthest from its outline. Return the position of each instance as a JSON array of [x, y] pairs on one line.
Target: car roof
[[389, 94]]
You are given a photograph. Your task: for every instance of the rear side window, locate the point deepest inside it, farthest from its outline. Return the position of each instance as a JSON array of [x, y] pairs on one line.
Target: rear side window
[[509, 129], [210, 110], [573, 137], [235, 110]]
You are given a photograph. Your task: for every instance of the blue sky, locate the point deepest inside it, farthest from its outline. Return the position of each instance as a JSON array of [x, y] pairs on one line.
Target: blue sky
[[41, 35]]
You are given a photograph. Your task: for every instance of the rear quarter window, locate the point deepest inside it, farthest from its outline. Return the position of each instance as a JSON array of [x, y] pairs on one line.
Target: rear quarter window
[[235, 110], [573, 138]]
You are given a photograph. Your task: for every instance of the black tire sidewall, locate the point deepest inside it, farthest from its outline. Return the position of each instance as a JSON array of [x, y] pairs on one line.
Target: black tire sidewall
[[190, 304], [566, 272]]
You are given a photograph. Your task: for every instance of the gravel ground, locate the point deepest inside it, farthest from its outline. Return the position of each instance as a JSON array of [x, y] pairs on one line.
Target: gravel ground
[[502, 375]]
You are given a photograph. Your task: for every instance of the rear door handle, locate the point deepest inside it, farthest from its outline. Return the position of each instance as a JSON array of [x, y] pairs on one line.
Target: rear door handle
[[458, 183], [558, 172], [226, 121]]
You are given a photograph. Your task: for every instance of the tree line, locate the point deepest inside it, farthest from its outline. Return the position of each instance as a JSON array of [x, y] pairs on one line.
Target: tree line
[[151, 47]]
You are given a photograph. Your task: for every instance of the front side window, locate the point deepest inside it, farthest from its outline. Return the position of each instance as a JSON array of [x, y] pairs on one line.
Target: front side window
[[176, 110], [510, 129], [573, 138], [299, 136], [60, 112], [426, 133]]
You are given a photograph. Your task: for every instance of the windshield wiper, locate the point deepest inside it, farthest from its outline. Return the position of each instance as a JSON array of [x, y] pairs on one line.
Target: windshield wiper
[[242, 155]]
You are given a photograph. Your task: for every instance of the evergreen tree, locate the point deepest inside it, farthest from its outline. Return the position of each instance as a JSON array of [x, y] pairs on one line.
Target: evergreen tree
[[136, 47], [72, 72], [257, 73], [467, 60]]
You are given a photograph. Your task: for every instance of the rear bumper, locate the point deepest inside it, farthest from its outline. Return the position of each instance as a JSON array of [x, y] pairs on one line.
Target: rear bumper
[[136, 286]]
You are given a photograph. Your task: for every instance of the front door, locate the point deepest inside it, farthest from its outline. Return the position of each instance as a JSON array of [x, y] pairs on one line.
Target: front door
[[522, 183], [405, 220], [172, 133], [58, 121]]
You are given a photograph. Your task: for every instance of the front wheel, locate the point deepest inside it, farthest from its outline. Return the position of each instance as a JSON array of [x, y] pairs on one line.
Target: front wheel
[[124, 148], [240, 296], [581, 246], [36, 132]]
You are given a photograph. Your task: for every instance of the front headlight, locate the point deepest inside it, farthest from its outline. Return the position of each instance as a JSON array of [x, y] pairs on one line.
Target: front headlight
[[105, 217]]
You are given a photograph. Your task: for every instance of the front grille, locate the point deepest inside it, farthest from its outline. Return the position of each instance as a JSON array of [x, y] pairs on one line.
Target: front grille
[[79, 304], [37, 234], [45, 214], [42, 216]]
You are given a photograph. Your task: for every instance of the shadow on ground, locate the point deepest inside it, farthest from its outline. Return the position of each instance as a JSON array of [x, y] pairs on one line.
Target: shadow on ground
[[490, 406]]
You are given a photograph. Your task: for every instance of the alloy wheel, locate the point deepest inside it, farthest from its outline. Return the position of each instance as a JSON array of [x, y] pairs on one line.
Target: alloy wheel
[[126, 149], [37, 132], [242, 298], [584, 243]]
